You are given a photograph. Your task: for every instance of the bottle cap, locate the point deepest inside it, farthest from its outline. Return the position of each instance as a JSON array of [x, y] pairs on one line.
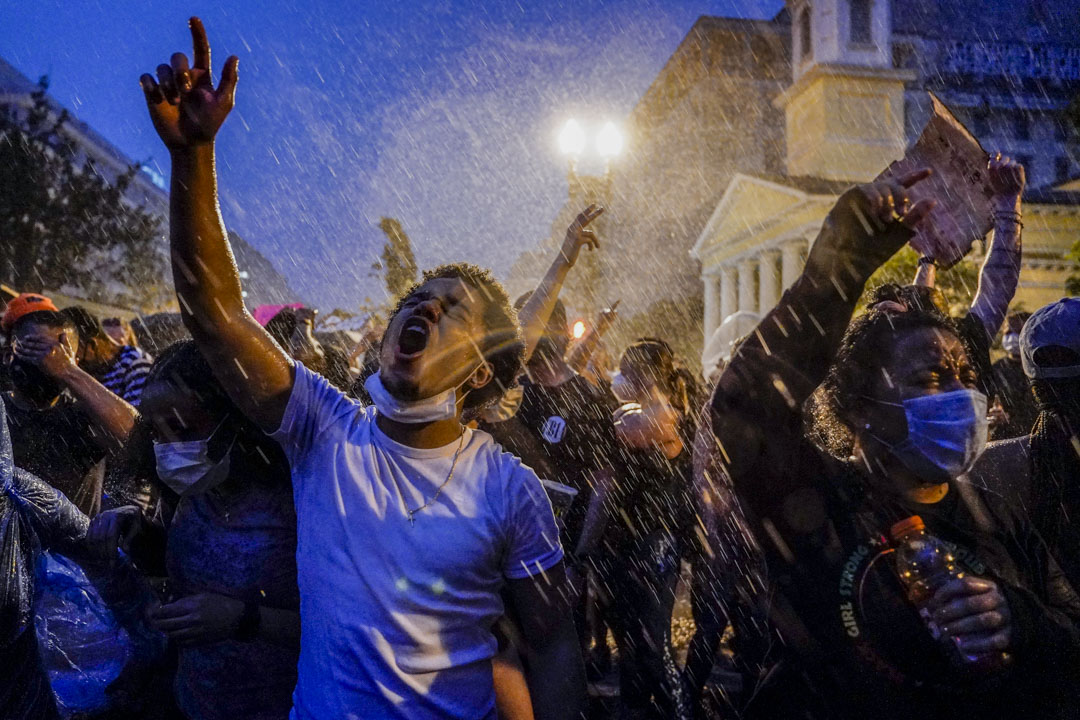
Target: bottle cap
[[908, 525]]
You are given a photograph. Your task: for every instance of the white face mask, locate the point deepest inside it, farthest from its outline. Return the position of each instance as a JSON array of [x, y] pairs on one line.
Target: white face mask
[[1010, 343], [442, 406], [186, 467]]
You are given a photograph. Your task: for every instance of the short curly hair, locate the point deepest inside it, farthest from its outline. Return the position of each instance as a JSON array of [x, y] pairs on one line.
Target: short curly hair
[[503, 346]]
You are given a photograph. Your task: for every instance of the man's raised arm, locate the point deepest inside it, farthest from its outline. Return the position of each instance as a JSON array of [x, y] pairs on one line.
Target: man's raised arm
[[187, 112]]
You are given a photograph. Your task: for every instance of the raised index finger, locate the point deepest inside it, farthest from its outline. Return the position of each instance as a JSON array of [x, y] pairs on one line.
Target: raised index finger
[[915, 176], [200, 44]]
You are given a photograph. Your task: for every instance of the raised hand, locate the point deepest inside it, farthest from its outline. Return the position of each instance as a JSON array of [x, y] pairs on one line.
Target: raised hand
[[1007, 177], [888, 201], [185, 107], [608, 317], [578, 236]]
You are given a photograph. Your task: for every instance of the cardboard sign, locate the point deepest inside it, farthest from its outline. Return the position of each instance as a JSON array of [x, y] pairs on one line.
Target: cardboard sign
[[960, 184]]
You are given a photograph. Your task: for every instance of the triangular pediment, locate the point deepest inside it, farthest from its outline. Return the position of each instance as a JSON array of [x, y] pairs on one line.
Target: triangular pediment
[[748, 203]]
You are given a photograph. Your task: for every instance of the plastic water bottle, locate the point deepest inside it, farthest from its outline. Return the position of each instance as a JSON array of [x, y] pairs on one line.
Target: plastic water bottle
[[924, 564]]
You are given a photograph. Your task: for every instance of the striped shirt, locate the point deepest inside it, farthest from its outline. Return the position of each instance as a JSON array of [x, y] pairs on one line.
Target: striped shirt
[[127, 375]]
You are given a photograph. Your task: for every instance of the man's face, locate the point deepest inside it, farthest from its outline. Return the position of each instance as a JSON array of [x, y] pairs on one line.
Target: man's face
[[28, 330], [30, 379], [433, 342]]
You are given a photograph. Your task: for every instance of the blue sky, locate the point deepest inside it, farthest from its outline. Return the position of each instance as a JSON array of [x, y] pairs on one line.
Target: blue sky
[[443, 114]]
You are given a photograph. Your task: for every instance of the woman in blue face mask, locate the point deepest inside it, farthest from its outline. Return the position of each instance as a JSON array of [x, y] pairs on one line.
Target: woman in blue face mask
[[224, 535], [896, 424]]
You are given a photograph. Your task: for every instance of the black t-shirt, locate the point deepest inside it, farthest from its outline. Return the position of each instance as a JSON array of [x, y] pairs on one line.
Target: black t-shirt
[[652, 494], [835, 597], [564, 433], [58, 445], [1010, 384]]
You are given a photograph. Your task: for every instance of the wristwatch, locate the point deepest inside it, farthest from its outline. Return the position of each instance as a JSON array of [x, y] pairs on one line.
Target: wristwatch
[[248, 627], [927, 260]]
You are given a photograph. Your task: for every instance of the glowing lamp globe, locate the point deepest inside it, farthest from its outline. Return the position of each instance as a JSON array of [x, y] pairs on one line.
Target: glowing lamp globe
[[579, 329], [572, 138], [609, 142]]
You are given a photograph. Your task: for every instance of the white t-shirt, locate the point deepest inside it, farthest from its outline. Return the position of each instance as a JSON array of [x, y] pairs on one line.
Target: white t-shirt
[[396, 617]]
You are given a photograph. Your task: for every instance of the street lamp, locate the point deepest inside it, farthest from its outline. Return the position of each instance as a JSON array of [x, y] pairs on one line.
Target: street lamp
[[609, 141], [579, 329], [572, 139]]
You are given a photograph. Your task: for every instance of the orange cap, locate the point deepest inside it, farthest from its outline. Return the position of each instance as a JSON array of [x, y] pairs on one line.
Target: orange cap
[[24, 304], [911, 524]]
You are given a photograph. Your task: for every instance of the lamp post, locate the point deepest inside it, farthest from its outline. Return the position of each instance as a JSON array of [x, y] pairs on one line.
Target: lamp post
[[586, 189], [572, 143]]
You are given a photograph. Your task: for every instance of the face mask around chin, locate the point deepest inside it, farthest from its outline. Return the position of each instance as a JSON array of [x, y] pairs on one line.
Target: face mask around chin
[[442, 406], [946, 434], [186, 467]]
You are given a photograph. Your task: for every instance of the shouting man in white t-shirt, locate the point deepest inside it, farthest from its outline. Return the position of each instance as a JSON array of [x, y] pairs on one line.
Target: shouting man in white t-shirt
[[410, 526]]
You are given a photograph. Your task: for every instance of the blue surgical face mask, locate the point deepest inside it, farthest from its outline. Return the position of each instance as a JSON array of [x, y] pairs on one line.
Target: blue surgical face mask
[[437, 407], [946, 434], [186, 467]]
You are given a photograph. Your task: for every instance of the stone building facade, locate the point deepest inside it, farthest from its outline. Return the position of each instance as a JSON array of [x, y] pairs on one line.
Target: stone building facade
[[753, 127]]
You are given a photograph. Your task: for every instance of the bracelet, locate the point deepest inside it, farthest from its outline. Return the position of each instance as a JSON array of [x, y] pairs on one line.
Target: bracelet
[[927, 260], [248, 626]]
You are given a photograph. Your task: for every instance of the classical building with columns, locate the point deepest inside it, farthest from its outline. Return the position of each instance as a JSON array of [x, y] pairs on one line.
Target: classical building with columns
[[753, 127], [860, 72]]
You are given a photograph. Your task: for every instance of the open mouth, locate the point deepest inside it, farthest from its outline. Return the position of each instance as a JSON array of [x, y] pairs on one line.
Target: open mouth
[[413, 338]]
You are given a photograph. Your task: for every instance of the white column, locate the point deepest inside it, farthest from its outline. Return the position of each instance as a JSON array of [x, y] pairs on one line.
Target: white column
[[746, 285], [792, 262], [712, 304], [729, 292], [768, 288]]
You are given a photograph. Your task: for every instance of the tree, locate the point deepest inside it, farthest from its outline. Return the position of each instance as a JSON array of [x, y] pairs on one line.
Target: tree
[[397, 264], [63, 223], [958, 284], [1072, 283]]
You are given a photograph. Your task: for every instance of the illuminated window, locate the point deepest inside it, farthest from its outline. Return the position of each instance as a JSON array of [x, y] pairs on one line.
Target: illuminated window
[[859, 16]]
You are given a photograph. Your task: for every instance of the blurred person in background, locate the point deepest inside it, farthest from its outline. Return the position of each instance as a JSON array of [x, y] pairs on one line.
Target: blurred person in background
[[640, 523], [223, 533], [120, 331], [1040, 471], [34, 517], [63, 422], [122, 369], [1014, 409]]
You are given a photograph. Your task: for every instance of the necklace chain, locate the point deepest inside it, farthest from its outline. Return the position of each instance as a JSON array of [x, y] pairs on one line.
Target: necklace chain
[[450, 476]]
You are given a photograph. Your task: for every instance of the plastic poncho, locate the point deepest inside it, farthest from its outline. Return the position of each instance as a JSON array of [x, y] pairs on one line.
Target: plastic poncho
[[33, 517]]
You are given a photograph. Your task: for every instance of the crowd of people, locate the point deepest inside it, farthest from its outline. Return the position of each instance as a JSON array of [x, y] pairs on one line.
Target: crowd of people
[[450, 519]]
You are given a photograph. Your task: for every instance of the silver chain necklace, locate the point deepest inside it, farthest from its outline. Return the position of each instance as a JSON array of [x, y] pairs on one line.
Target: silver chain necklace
[[449, 477]]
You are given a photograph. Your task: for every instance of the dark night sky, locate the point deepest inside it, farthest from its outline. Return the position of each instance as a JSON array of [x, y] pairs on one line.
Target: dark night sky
[[443, 114]]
